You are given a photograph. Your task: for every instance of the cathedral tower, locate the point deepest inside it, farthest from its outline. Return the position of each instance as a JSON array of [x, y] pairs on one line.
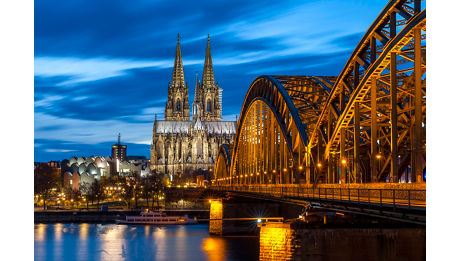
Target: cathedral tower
[[177, 106], [207, 103]]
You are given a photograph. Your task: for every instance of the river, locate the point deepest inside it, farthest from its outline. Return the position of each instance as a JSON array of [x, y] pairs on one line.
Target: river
[[121, 242]]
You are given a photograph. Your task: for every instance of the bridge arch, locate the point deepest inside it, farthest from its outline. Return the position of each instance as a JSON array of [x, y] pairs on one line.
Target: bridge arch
[[366, 125], [375, 115], [223, 164], [275, 120]]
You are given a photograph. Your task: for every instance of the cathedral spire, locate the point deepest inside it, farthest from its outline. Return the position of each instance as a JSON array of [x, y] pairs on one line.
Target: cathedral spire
[[178, 78], [208, 74], [177, 106]]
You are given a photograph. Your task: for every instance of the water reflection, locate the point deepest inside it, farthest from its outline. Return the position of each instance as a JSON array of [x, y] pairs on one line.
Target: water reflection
[[112, 245], [121, 242], [160, 243], [40, 232], [215, 248]]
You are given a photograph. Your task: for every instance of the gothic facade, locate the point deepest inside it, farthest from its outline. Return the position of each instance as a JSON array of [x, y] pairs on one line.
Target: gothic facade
[[181, 145]]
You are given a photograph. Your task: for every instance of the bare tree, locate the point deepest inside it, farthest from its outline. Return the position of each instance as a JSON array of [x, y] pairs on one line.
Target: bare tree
[[96, 191], [46, 182]]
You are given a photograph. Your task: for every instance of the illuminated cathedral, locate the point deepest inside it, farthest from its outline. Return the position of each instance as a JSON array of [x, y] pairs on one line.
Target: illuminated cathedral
[[181, 145]]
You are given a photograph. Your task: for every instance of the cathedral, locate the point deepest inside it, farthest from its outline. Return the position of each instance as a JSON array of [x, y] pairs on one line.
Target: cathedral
[[180, 145]]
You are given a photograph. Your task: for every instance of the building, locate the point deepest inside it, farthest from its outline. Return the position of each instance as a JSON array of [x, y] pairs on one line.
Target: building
[[119, 151], [180, 145]]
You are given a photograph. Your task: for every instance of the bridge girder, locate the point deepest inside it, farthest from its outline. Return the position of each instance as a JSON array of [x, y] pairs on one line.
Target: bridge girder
[[366, 125]]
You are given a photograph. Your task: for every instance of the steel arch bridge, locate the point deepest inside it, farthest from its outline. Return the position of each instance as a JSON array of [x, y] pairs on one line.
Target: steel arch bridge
[[364, 129]]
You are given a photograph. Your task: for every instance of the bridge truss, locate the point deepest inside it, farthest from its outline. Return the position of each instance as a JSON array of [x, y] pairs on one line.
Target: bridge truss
[[365, 126]]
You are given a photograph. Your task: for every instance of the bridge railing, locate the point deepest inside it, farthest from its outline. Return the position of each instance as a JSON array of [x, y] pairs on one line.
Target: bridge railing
[[384, 197]]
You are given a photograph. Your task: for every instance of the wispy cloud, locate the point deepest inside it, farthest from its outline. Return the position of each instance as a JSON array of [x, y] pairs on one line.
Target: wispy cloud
[[48, 101], [93, 69], [89, 132], [58, 150]]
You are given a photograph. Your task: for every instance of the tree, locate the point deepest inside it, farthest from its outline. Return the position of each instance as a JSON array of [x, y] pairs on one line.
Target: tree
[[84, 190], [157, 187], [96, 191], [47, 181]]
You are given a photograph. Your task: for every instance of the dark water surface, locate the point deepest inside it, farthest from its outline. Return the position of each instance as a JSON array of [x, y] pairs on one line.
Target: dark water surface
[[122, 242]]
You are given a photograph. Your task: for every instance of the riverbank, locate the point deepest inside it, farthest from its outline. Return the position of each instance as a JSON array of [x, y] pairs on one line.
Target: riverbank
[[97, 216]]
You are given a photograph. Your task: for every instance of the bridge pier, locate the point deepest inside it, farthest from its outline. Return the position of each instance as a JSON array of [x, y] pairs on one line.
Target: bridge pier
[[240, 216], [297, 241]]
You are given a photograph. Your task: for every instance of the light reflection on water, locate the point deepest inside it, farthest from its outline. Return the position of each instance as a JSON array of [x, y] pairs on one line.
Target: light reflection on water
[[121, 242]]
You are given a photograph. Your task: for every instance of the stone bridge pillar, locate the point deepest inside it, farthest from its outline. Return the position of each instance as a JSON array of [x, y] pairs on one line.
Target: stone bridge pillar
[[227, 215], [215, 216]]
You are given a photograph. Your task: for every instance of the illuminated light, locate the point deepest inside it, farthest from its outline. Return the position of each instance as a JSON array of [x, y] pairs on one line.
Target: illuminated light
[[210, 200], [339, 213], [319, 164], [251, 174], [274, 171], [343, 161], [246, 175], [301, 167], [278, 242], [285, 170], [240, 176], [215, 216], [378, 156], [266, 172], [258, 173], [258, 220]]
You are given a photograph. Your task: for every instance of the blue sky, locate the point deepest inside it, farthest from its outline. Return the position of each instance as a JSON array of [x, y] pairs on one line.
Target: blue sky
[[102, 67]]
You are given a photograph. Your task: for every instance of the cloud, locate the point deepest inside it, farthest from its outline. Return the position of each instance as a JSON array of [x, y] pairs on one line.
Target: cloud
[[89, 132], [48, 101], [57, 150], [93, 69]]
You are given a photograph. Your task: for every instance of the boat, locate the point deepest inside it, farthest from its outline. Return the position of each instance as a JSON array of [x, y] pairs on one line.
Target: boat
[[156, 218]]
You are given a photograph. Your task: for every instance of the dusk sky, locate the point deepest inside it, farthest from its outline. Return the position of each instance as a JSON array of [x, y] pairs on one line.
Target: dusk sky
[[103, 67]]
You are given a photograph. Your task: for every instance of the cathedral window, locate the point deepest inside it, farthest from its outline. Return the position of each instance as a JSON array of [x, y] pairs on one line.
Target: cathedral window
[[177, 105], [209, 106]]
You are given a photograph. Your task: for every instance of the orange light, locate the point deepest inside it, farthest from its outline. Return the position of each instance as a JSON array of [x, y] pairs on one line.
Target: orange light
[[251, 175], [210, 200], [300, 167], [246, 175], [378, 156], [343, 161], [285, 170], [319, 164], [258, 173], [265, 172]]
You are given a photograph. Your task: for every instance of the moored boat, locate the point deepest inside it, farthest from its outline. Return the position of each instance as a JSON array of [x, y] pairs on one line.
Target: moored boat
[[157, 218]]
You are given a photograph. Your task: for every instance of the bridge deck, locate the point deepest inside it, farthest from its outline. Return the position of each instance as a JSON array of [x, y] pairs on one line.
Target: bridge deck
[[405, 198]]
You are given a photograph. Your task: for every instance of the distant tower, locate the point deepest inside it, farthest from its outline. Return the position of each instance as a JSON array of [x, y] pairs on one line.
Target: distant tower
[[119, 150], [207, 100], [177, 106]]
